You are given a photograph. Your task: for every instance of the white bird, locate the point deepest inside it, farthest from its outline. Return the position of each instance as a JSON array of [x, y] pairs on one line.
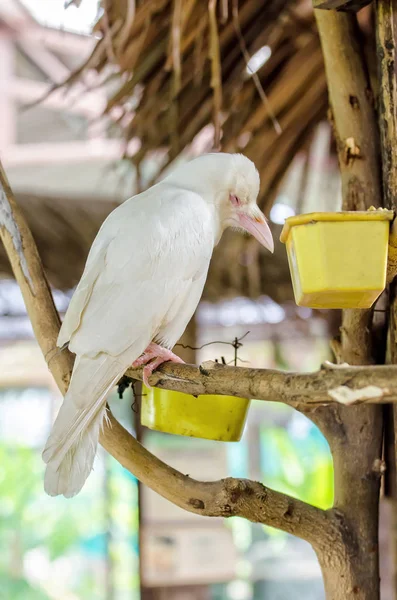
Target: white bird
[[141, 284]]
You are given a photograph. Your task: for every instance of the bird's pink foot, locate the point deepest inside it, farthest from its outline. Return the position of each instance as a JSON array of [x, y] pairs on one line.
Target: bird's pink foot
[[148, 355], [153, 357]]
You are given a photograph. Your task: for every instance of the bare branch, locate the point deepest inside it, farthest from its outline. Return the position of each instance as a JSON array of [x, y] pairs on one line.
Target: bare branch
[[28, 270], [332, 383], [228, 497], [225, 498]]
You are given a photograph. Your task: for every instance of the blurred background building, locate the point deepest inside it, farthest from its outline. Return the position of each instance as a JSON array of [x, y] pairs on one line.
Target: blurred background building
[[69, 168]]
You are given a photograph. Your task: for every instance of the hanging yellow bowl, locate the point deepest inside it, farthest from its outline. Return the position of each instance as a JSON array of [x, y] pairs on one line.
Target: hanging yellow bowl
[[220, 418], [338, 260]]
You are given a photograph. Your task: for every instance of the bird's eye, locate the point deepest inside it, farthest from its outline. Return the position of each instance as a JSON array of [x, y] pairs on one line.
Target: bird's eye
[[234, 200]]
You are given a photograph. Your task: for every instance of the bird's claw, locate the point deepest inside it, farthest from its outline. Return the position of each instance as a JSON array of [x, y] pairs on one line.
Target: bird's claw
[[160, 356]]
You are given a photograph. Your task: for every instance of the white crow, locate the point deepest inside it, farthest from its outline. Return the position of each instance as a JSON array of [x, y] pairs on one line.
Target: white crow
[[141, 284]]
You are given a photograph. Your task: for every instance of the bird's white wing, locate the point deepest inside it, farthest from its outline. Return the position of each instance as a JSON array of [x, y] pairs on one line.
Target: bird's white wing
[[181, 311], [82, 294], [149, 252]]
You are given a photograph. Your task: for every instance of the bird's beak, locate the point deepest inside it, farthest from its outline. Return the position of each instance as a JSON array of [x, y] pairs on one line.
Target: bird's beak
[[254, 221]]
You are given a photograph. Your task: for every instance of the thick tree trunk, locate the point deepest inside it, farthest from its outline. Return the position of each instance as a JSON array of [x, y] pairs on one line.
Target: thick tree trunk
[[356, 444], [340, 580], [386, 12], [355, 436]]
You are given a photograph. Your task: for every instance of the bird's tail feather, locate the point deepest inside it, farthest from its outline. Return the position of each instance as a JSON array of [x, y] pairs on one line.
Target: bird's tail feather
[[71, 448]]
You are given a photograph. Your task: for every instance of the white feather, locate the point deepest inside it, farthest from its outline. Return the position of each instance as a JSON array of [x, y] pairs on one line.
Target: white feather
[[146, 264], [71, 447], [142, 282]]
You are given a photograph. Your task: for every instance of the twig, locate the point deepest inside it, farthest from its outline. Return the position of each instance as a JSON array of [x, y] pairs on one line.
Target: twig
[[125, 31], [216, 74], [176, 46], [255, 78], [107, 35], [233, 344]]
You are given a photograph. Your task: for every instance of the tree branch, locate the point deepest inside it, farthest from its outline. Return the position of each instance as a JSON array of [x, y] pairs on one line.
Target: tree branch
[[28, 270], [227, 497], [331, 384]]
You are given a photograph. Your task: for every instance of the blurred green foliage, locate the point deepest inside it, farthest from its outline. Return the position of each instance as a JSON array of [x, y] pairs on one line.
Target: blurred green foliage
[[57, 528], [301, 467]]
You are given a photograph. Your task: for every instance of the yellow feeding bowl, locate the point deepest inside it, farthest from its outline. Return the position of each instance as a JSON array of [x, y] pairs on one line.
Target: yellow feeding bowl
[[219, 418], [338, 260]]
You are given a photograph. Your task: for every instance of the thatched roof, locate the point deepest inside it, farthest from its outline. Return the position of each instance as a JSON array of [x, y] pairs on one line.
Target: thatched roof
[[184, 67], [177, 79], [64, 230]]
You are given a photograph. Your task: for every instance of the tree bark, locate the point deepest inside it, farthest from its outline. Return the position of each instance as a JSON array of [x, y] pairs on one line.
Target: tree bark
[[355, 436], [386, 13], [28, 270], [332, 384]]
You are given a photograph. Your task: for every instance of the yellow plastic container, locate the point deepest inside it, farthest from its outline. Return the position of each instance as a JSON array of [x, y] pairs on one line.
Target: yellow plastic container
[[338, 260], [219, 418]]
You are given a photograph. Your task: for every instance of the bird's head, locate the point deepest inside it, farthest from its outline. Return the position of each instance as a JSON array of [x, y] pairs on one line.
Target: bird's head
[[229, 182], [237, 203]]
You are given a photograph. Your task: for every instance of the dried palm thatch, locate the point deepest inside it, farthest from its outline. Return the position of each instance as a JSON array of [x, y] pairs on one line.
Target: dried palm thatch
[[64, 230], [177, 79], [183, 66]]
